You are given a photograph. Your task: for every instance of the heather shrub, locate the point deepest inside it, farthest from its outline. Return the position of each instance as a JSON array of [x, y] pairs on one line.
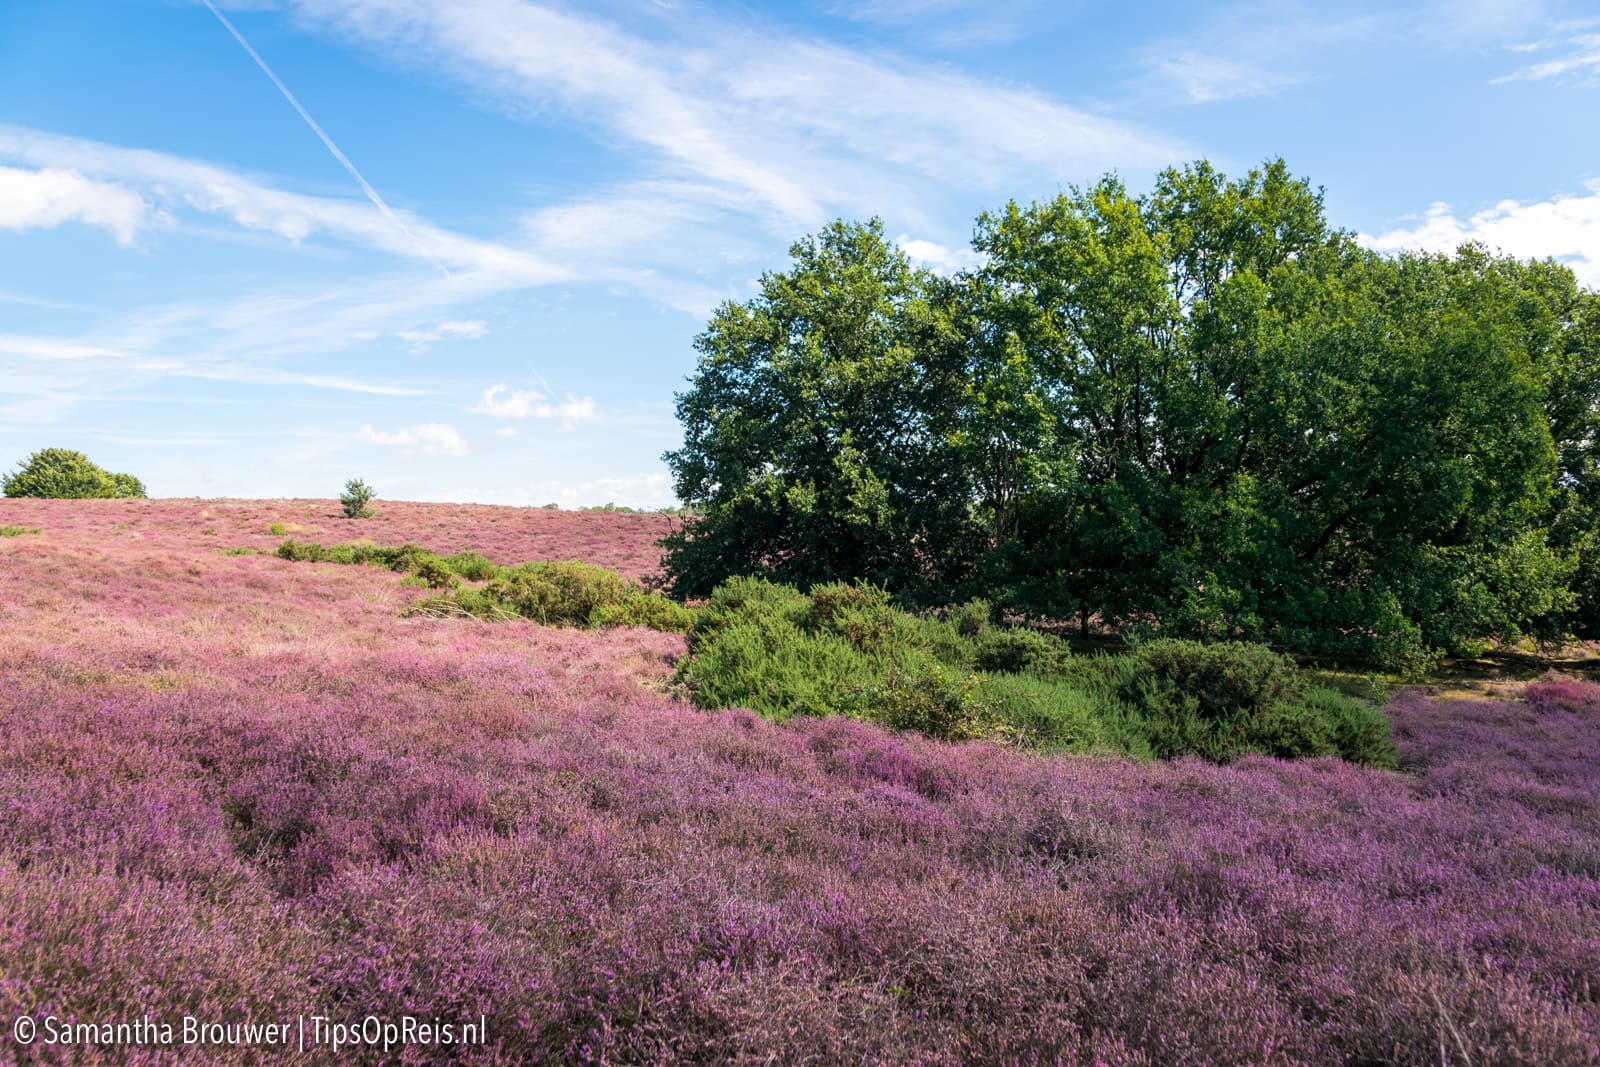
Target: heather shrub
[[17, 531], [355, 498], [64, 474]]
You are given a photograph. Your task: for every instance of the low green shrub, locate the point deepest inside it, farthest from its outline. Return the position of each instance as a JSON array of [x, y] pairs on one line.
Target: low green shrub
[[843, 650], [564, 593], [434, 571], [556, 594], [933, 700], [770, 665], [1062, 715], [472, 567], [1221, 677], [971, 618], [649, 610], [17, 531], [1018, 650]]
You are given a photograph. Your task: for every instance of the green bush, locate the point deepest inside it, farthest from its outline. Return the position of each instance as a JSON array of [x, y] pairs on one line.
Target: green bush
[[61, 473], [1061, 715], [972, 618], [17, 531], [555, 594], [768, 664], [1018, 650], [472, 567], [434, 571], [563, 593], [862, 615], [844, 651], [1221, 677], [935, 701], [1227, 700], [650, 610], [355, 498]]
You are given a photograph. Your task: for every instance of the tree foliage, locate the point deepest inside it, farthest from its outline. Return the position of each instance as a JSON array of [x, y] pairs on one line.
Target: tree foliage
[[1202, 411], [64, 474], [815, 431]]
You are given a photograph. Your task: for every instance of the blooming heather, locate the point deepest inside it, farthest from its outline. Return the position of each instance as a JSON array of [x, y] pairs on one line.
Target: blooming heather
[[239, 788]]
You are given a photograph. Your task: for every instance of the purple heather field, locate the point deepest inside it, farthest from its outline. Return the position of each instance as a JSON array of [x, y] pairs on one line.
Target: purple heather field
[[237, 788]]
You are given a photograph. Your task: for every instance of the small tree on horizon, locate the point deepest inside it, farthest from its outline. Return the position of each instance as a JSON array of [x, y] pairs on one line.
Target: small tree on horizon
[[357, 494]]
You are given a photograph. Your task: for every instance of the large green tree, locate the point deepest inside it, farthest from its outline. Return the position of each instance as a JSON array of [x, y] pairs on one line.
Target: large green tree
[[1202, 410], [816, 426], [1269, 431]]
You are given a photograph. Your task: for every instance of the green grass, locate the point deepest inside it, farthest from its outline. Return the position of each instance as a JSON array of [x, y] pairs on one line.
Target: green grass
[[17, 531]]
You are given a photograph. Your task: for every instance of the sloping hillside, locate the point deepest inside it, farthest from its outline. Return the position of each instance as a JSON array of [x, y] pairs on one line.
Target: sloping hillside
[[243, 789]]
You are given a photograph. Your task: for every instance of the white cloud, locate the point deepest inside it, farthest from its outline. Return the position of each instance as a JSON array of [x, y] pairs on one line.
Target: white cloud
[[790, 128], [1566, 228], [1205, 78], [468, 329], [45, 198], [181, 185], [652, 490], [1253, 50], [503, 402], [1580, 55], [937, 257], [55, 348], [950, 23], [433, 438]]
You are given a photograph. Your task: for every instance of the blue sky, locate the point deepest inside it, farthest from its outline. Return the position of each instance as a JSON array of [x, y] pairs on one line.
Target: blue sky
[[195, 290]]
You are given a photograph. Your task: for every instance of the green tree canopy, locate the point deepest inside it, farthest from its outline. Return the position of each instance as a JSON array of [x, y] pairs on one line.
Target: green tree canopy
[[815, 426], [63, 473], [1203, 411]]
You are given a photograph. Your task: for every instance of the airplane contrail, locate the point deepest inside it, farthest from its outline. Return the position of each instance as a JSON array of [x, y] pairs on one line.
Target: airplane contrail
[[366, 187]]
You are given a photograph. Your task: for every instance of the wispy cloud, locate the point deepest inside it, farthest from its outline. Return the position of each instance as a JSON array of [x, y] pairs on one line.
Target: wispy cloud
[[454, 329], [432, 438], [1577, 55], [1205, 77], [748, 122], [181, 185], [1255, 49], [941, 259], [1566, 228], [949, 23], [45, 198], [503, 402]]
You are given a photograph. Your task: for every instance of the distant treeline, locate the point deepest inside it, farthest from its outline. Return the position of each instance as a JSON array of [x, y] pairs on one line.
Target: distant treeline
[[1201, 411]]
